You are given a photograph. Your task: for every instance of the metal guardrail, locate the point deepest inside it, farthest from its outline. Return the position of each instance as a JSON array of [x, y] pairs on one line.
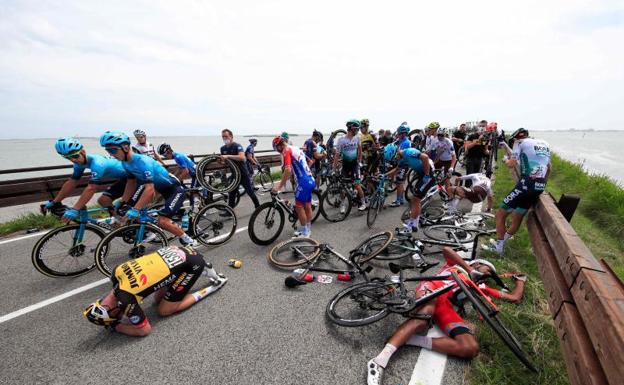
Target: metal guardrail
[[585, 297], [30, 190]]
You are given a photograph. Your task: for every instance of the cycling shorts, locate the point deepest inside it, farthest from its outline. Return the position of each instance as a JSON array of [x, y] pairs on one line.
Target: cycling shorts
[[401, 174], [183, 284], [524, 195], [444, 315], [174, 198], [475, 194], [420, 188], [351, 170], [116, 190], [303, 192]]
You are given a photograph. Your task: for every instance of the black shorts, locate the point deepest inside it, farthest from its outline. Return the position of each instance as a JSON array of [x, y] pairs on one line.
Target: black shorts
[[401, 174], [183, 284], [524, 195], [116, 190], [420, 188], [174, 198], [351, 170]]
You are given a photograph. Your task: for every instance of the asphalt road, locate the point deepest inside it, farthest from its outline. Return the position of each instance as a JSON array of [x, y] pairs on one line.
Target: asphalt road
[[253, 331]]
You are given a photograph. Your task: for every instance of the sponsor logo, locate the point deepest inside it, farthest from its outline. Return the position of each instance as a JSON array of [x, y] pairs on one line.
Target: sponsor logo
[[130, 275], [512, 195], [143, 279], [175, 200], [177, 284], [165, 282], [147, 174], [172, 256]]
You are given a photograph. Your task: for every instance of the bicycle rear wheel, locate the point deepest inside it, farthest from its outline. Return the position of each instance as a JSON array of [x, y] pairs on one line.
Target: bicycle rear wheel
[[214, 224], [294, 252], [374, 207], [217, 176], [265, 179], [491, 317], [316, 205], [335, 203], [372, 246], [361, 304], [447, 233], [266, 223]]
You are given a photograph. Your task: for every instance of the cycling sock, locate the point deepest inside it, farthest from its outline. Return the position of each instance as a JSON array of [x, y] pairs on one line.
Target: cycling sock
[[507, 236], [383, 357], [186, 238], [422, 341], [499, 245]]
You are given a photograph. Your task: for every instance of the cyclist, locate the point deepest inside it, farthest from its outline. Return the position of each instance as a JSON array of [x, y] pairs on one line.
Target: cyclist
[[168, 273], [294, 161], [386, 138], [431, 143], [234, 152], [369, 148], [445, 152], [533, 156], [459, 340], [143, 147], [480, 190], [418, 162], [186, 169], [402, 143], [350, 149], [153, 178], [101, 168], [250, 159], [314, 154]]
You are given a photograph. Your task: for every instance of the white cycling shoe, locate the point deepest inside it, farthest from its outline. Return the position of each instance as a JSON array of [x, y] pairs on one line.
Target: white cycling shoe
[[374, 373]]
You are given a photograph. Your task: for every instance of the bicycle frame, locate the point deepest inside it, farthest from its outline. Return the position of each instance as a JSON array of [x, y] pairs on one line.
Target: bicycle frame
[[326, 249]]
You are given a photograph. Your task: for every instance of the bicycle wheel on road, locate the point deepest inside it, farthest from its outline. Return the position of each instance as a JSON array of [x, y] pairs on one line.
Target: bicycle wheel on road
[[265, 180], [477, 221], [217, 176], [430, 213], [397, 249], [335, 203], [294, 252], [214, 224], [372, 246], [57, 254], [266, 223], [491, 317], [447, 233], [374, 207], [361, 304], [120, 245]]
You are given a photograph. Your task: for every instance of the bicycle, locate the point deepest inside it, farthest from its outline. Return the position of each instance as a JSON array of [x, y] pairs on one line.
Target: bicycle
[[217, 175], [69, 250], [340, 194], [368, 302], [270, 217], [378, 199]]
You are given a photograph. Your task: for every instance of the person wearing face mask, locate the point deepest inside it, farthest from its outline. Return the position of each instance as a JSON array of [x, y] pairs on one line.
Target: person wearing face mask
[[234, 152]]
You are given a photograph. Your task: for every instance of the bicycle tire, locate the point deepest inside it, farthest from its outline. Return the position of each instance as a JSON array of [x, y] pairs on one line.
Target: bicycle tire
[[492, 319], [394, 251], [481, 219], [445, 233], [126, 233], [265, 180], [372, 246], [39, 260], [374, 207], [358, 294], [214, 214], [221, 181], [316, 211], [277, 258], [269, 222], [332, 199], [431, 213], [332, 138]]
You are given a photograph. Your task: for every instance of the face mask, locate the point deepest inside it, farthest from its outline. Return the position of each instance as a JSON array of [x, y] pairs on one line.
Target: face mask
[[226, 141]]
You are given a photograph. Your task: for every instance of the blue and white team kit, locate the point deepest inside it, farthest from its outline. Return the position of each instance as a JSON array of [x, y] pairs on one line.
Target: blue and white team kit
[[411, 159], [296, 159], [103, 168]]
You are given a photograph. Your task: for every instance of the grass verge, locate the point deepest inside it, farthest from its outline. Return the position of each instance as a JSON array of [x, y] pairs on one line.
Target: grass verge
[[29, 221]]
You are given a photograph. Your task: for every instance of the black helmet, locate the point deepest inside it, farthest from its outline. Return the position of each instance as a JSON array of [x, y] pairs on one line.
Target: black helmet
[[163, 147], [253, 140], [520, 131]]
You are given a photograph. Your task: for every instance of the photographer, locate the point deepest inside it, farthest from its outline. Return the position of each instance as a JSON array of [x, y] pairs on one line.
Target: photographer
[[476, 150]]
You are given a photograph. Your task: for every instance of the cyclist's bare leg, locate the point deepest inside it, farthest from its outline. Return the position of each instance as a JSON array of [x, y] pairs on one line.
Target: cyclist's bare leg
[[463, 345], [501, 217], [166, 308], [359, 190], [308, 211], [167, 224], [160, 293], [302, 215], [412, 325], [516, 221]]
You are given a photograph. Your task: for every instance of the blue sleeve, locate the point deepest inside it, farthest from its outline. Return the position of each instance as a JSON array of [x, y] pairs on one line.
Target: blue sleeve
[[129, 173], [77, 172]]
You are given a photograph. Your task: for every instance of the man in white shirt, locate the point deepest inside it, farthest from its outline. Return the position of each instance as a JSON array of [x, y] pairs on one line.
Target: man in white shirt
[[143, 147]]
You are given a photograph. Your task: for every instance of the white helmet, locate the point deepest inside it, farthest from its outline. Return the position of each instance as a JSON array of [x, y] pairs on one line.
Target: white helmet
[[139, 133], [483, 262], [442, 131]]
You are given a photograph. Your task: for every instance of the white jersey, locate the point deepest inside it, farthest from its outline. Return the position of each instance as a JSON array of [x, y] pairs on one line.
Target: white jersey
[[445, 149], [146, 149], [533, 156], [431, 143], [479, 180]]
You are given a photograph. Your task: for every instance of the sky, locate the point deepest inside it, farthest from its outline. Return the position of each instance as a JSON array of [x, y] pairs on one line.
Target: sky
[[262, 67]]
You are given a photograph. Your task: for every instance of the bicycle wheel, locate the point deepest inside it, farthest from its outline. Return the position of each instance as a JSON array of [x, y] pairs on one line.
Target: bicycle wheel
[[214, 224], [217, 176], [316, 205], [447, 233], [397, 249], [59, 254], [120, 245], [491, 317], [374, 207], [372, 246], [294, 252], [266, 223], [335, 203], [430, 213], [361, 304], [265, 179], [476, 221]]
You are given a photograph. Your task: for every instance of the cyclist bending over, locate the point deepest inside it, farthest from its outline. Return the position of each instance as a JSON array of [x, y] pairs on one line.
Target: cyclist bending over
[[459, 340], [402, 143], [480, 189], [350, 148], [168, 273]]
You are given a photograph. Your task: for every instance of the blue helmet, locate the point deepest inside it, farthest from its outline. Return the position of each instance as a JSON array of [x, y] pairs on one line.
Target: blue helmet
[[403, 128], [114, 138], [390, 152], [65, 146]]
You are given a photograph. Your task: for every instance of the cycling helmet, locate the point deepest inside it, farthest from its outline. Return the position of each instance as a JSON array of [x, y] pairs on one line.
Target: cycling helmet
[[317, 133], [442, 131], [139, 133], [97, 314], [285, 135], [390, 152], [520, 131], [483, 262], [114, 138], [365, 123], [277, 141], [433, 126], [65, 146], [163, 147], [353, 123], [253, 140], [404, 128], [491, 127]]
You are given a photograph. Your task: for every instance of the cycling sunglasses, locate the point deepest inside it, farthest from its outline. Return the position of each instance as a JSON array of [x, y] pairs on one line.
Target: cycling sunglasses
[[112, 150], [75, 155]]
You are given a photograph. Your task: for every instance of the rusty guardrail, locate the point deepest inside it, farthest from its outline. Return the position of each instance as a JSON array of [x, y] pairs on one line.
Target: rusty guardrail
[[31, 190], [585, 298]]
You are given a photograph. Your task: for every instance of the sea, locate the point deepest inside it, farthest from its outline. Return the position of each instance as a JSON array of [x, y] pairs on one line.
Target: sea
[[597, 151]]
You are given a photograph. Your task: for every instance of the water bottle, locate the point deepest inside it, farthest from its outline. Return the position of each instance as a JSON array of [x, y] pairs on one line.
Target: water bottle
[[395, 279], [301, 275], [185, 222]]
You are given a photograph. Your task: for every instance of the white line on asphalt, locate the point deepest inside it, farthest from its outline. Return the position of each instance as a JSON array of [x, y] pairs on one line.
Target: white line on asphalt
[[61, 297], [429, 368], [23, 237]]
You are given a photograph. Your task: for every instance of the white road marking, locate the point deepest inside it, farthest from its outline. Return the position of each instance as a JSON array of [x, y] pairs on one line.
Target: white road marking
[[23, 237], [61, 297], [429, 368]]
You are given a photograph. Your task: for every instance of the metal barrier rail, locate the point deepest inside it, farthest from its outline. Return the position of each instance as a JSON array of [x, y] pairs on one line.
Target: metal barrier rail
[[30, 190], [586, 299]]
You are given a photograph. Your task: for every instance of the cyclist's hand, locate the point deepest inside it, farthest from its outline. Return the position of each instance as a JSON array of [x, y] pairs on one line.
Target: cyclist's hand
[[132, 214], [505, 158], [519, 277], [48, 205], [122, 210], [69, 215]]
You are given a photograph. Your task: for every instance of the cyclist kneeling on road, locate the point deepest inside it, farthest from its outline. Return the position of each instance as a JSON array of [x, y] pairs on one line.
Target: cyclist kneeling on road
[[294, 161], [152, 177], [418, 162], [168, 273], [480, 189], [101, 168], [459, 340]]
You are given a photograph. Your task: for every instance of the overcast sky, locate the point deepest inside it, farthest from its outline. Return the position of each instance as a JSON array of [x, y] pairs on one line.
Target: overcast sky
[[195, 67]]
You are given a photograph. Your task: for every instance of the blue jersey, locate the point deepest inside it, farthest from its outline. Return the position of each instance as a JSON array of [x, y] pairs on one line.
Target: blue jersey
[[146, 170], [411, 159], [101, 168], [249, 151], [184, 162], [404, 144]]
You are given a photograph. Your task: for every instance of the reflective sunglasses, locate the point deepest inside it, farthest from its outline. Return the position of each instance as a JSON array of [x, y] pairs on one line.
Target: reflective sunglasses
[[75, 155], [112, 150]]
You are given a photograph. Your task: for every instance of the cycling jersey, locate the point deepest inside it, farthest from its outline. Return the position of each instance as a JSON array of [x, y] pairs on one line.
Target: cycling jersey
[[249, 151], [533, 156], [295, 158], [145, 149], [184, 161], [146, 170], [444, 149], [172, 267], [479, 180], [411, 159], [310, 148], [404, 144], [348, 148], [368, 144], [101, 168]]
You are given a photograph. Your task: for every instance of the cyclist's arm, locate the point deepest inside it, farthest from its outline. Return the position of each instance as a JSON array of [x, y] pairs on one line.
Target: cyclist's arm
[[159, 159], [240, 157], [453, 160], [139, 326], [285, 177], [66, 189], [134, 331], [335, 163], [86, 196], [359, 152], [146, 196], [424, 158], [514, 297], [490, 203], [548, 170], [129, 190]]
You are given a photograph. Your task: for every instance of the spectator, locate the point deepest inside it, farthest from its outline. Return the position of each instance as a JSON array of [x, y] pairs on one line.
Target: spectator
[[234, 152], [476, 150], [459, 137]]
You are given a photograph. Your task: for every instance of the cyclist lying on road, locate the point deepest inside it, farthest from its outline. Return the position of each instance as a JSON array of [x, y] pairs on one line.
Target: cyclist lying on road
[[168, 273], [459, 340]]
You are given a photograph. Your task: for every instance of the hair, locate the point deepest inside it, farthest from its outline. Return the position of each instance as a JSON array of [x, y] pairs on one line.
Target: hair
[[228, 131], [483, 121]]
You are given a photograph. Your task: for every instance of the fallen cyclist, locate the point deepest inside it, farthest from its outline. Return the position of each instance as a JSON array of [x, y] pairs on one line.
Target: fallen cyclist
[[459, 340], [168, 273]]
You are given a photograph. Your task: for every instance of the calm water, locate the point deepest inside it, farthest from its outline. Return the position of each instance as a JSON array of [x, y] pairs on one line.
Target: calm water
[[598, 151]]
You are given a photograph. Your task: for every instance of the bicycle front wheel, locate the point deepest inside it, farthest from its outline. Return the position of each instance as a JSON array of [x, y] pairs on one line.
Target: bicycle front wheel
[[294, 252], [447, 233], [266, 223], [214, 224], [265, 180], [374, 245], [374, 207], [316, 205], [335, 203], [128, 242], [67, 251], [361, 304]]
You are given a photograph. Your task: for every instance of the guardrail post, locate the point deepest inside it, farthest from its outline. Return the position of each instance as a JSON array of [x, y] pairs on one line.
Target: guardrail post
[[567, 205]]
